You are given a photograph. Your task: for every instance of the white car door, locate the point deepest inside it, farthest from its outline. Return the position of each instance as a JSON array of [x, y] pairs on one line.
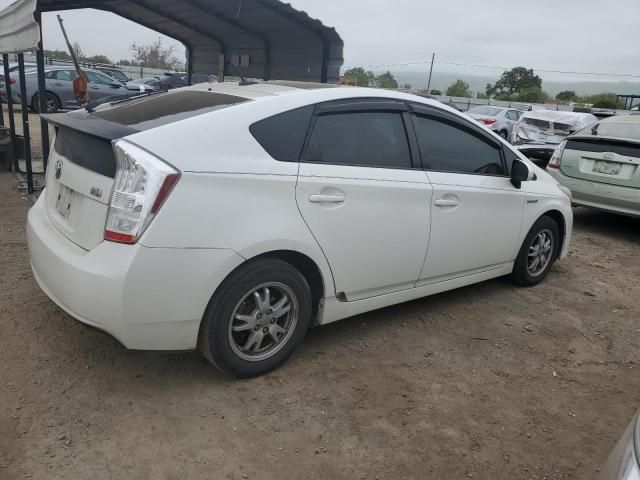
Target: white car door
[[476, 213], [364, 196]]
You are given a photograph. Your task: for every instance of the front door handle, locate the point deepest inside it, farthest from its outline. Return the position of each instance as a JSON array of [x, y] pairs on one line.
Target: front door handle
[[95, 88], [443, 202], [327, 198], [58, 84]]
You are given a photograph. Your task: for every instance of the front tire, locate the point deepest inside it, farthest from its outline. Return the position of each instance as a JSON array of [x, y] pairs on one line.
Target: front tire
[[538, 253], [256, 318], [53, 103], [504, 134]]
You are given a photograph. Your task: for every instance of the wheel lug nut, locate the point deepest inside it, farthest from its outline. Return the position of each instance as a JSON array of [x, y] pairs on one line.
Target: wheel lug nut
[[257, 328], [259, 315], [273, 320], [265, 329]]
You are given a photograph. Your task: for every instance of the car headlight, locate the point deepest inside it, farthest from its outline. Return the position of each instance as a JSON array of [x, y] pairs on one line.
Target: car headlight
[[566, 191]]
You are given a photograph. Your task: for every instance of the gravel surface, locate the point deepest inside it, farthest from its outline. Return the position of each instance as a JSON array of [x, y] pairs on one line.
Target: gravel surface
[[490, 381]]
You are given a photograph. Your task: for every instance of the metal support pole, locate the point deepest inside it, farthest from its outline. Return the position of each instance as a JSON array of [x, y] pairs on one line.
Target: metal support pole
[[25, 122], [44, 126], [189, 65], [433, 57], [12, 120], [221, 65]]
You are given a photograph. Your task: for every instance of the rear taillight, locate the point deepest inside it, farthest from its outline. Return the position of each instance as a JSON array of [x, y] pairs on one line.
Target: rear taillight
[[142, 184], [488, 121], [557, 155]]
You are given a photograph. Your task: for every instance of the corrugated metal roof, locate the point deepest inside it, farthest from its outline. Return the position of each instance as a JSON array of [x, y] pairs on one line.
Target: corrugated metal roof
[[280, 41]]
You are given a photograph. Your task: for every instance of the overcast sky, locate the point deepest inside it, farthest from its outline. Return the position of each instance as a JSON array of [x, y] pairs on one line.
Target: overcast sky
[[574, 35]]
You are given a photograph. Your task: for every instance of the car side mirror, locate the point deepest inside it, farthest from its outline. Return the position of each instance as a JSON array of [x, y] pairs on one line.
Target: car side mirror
[[519, 173], [115, 85]]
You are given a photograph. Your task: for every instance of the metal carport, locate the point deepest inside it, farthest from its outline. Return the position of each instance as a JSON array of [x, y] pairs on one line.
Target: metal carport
[[265, 39]]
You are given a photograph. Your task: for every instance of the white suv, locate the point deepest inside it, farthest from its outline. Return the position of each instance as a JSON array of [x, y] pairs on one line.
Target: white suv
[[233, 217]]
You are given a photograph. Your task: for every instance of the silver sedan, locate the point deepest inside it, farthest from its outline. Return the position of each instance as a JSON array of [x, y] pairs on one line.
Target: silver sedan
[[624, 461], [499, 119]]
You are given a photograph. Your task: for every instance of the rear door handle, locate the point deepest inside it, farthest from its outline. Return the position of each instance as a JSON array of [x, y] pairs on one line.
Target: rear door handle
[[95, 88], [58, 84], [442, 202], [326, 198]]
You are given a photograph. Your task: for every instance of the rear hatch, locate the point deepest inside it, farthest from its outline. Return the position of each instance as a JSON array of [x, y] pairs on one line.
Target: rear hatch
[[82, 163], [603, 160]]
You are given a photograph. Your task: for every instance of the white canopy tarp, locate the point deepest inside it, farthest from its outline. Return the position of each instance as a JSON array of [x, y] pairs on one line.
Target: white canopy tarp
[[19, 31]]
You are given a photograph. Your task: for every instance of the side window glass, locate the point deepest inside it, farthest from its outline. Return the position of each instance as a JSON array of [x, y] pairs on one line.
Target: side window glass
[[50, 75], [64, 75], [283, 135], [93, 78], [446, 147], [375, 139]]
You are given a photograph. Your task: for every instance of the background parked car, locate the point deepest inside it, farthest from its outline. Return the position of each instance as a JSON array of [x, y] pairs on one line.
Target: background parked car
[[179, 80], [538, 133], [624, 461], [601, 165], [59, 88], [148, 83], [499, 119]]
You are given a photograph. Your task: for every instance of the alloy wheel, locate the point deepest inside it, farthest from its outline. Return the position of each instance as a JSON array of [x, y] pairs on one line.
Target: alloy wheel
[[263, 321], [540, 253]]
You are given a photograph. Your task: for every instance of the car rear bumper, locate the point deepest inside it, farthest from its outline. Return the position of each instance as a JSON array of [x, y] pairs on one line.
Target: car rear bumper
[[602, 196], [147, 298]]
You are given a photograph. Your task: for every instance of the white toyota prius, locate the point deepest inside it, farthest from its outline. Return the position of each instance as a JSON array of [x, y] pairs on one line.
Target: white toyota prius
[[231, 218]]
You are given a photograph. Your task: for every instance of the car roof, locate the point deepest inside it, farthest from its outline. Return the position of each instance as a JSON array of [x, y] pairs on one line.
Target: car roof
[[622, 119], [318, 91], [559, 116]]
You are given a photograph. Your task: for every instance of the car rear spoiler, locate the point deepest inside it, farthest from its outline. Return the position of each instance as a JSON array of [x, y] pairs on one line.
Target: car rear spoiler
[[90, 125]]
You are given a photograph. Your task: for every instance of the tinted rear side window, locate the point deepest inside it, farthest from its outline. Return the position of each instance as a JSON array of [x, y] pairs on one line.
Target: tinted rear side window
[[375, 139], [283, 135], [152, 111], [448, 148]]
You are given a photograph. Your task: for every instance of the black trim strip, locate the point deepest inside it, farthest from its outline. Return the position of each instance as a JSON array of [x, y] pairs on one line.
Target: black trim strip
[[90, 125]]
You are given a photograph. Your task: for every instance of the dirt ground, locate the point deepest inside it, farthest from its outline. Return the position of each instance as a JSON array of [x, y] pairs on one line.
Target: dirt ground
[[490, 381]]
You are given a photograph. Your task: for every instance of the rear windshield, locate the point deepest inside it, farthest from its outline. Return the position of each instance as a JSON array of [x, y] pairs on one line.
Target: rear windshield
[[614, 129], [486, 111], [143, 113]]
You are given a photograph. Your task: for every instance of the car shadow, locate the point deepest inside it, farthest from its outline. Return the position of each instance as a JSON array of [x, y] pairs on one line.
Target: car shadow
[[620, 227]]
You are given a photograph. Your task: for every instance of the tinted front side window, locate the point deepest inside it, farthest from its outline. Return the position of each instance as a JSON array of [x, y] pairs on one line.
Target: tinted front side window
[[376, 139], [283, 135], [448, 148]]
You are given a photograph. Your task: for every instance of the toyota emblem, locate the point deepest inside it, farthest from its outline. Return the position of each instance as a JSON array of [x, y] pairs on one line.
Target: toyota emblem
[[609, 156], [58, 169]]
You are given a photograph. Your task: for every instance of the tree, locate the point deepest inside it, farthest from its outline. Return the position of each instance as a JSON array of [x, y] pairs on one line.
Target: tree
[[459, 89], [154, 55], [386, 80], [532, 95], [78, 51], [603, 100], [515, 81], [98, 59], [362, 78], [566, 96]]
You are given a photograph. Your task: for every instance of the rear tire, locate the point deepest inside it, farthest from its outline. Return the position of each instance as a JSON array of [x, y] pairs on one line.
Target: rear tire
[[256, 318], [53, 102], [538, 253]]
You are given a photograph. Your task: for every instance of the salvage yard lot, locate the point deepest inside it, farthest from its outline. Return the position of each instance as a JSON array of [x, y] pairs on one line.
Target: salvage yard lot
[[490, 381]]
